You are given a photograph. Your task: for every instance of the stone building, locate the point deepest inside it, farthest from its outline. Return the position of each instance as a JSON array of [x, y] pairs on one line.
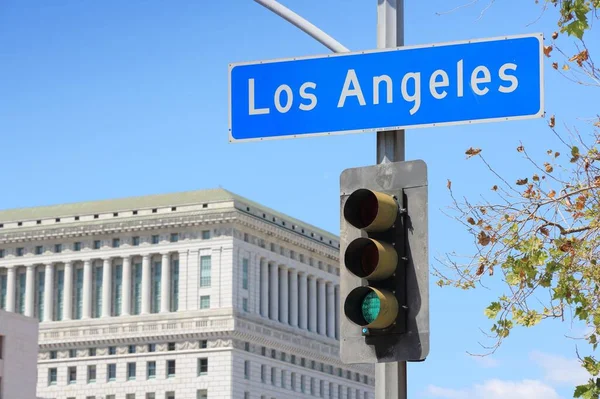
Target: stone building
[[201, 294]]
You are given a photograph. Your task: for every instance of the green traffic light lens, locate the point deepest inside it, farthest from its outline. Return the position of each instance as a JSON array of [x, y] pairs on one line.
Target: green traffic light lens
[[371, 307]]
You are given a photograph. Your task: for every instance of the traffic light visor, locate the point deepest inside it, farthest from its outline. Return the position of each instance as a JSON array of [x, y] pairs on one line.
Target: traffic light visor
[[371, 307], [371, 259], [370, 210]]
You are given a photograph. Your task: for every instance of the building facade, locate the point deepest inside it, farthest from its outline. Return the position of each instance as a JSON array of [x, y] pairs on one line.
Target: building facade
[[18, 356], [201, 294]]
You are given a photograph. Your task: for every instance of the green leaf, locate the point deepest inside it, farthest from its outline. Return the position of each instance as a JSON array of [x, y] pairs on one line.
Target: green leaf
[[492, 311]]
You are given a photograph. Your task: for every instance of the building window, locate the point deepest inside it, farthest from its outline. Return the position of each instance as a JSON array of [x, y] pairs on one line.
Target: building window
[[174, 237], [112, 350], [283, 378], [205, 234], [72, 353], [131, 371], [57, 248], [52, 374], [91, 374], [53, 354], [205, 302], [116, 242], [170, 395], [171, 368], [247, 346], [78, 293], [202, 394], [135, 241], [151, 347], [263, 373], [171, 346], [117, 285], [77, 246], [203, 366], [245, 273], [247, 369], [41, 283], [174, 285], [245, 304], [156, 286], [131, 349], [20, 251], [155, 239], [39, 250], [137, 288], [97, 289], [97, 244], [322, 389], [92, 352], [111, 372], [273, 375], [1, 253], [205, 271], [293, 381], [72, 375], [151, 367], [273, 354]]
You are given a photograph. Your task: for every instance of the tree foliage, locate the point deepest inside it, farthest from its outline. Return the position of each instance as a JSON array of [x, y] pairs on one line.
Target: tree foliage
[[541, 231]]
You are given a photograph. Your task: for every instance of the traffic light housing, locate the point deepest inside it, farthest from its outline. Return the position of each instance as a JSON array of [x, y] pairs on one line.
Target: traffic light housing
[[384, 271]]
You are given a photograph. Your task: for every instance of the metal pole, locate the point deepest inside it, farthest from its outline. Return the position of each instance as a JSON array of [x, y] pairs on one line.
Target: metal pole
[[304, 25], [390, 33], [390, 378]]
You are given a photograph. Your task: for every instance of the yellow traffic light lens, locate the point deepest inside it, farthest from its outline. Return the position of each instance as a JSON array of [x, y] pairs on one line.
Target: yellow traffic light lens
[[371, 307], [370, 210], [371, 259]]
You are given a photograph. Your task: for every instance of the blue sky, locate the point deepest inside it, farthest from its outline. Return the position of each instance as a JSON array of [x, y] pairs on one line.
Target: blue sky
[[109, 99]]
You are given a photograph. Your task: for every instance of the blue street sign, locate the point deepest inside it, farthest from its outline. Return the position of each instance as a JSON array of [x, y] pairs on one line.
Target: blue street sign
[[483, 80]]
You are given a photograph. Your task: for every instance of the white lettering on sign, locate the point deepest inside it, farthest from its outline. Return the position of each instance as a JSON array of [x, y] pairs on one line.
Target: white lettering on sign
[[351, 79], [479, 80], [308, 96], [434, 84], [290, 98], [514, 83], [251, 109]]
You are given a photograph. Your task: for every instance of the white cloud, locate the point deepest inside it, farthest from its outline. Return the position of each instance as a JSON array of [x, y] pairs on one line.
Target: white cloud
[[497, 389], [560, 370]]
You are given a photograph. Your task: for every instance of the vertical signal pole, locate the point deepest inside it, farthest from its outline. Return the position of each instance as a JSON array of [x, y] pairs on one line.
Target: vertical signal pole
[[390, 378]]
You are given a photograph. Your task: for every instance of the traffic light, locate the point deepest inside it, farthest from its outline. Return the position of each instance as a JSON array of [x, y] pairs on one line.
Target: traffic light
[[384, 295]]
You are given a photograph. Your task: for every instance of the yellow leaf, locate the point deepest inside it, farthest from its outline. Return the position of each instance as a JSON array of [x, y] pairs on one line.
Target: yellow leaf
[[548, 167], [565, 67], [551, 194], [536, 177]]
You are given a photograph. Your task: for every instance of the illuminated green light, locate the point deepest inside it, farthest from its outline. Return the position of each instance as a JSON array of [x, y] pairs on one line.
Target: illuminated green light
[[370, 307]]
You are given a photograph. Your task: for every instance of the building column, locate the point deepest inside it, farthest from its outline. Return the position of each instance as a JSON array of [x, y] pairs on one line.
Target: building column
[[146, 282], [312, 303], [264, 288], [87, 289], [330, 310], [10, 289], [30, 291], [165, 283], [337, 311], [303, 302], [106, 287], [68, 292], [49, 293], [283, 295], [321, 308], [274, 291], [126, 287], [294, 297]]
